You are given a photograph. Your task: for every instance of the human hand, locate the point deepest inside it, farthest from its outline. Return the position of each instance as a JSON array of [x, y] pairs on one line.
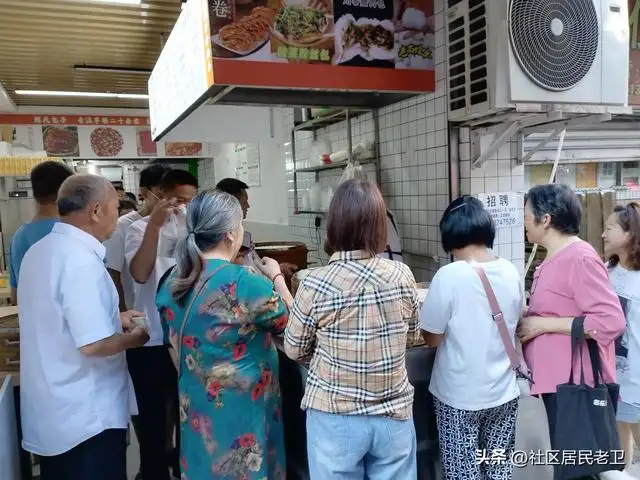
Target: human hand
[[239, 260], [128, 319], [530, 328], [269, 267], [161, 212], [288, 269], [139, 336]]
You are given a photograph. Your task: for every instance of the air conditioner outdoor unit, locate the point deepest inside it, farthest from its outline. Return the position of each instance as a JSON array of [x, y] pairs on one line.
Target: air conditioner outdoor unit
[[503, 53]]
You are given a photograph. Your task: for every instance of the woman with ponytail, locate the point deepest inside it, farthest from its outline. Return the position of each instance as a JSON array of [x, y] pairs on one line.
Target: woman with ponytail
[[220, 317]]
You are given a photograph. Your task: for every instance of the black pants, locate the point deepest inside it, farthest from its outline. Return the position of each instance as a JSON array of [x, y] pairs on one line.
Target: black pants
[[155, 382], [103, 457]]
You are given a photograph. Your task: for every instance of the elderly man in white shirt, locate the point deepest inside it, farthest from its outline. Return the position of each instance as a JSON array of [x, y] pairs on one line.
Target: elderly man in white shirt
[[76, 393]]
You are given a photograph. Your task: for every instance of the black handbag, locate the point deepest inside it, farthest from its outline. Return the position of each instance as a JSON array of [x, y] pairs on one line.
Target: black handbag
[[586, 433], [596, 368]]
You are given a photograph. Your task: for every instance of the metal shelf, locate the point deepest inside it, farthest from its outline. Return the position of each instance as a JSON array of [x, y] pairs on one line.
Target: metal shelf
[[325, 121], [315, 124], [311, 212], [337, 165]]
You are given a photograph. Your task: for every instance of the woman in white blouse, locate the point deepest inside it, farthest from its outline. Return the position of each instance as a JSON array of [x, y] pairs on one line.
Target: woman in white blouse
[[473, 385]]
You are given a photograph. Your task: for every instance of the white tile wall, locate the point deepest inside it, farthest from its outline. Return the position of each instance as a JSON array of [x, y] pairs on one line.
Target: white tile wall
[[206, 175], [499, 174]]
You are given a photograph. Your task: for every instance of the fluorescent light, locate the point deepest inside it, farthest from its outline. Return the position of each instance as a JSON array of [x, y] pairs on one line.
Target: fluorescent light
[[50, 93], [104, 69], [123, 2]]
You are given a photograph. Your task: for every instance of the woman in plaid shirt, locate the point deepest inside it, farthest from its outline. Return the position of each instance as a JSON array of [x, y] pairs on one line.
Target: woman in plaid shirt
[[352, 321]]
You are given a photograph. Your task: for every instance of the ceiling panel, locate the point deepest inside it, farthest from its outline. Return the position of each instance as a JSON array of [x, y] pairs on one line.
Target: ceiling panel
[[41, 41]]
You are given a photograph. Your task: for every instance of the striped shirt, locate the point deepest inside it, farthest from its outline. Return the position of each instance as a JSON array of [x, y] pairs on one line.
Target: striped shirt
[[353, 320]]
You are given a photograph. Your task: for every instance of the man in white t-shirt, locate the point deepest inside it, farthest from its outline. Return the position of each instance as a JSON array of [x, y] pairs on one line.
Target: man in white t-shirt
[[150, 192], [76, 394], [149, 253]]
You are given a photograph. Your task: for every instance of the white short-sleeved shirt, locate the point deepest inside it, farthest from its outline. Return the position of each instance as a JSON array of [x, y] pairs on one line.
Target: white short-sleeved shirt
[[145, 294], [627, 285], [66, 301], [115, 254], [472, 370]]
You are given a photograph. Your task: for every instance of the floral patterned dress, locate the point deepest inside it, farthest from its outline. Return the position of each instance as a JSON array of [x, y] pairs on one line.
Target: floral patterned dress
[[230, 418]]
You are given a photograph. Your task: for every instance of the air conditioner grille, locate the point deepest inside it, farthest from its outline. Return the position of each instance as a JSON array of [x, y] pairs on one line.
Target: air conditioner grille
[[555, 41]]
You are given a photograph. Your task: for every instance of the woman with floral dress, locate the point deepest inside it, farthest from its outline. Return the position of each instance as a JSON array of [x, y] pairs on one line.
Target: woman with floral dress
[[220, 317]]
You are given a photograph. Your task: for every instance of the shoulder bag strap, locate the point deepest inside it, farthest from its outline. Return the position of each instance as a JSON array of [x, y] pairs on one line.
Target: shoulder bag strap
[[498, 317], [194, 296]]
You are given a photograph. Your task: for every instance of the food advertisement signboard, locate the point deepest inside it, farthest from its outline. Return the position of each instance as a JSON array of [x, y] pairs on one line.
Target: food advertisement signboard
[[634, 53], [85, 136], [365, 33]]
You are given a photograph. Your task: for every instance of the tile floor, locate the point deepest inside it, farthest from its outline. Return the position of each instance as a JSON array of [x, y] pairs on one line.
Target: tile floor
[[532, 434]]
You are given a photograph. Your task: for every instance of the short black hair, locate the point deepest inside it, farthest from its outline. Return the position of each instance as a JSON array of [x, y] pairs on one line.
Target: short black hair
[[466, 222], [131, 197], [151, 176], [118, 187], [560, 203], [176, 178], [232, 186], [127, 205], [46, 179]]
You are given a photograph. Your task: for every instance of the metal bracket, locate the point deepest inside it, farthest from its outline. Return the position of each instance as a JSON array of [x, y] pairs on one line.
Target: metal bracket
[[540, 146], [563, 124], [499, 141]]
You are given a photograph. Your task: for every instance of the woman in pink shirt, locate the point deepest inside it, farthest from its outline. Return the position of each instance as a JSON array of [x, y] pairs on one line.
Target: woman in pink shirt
[[572, 281]]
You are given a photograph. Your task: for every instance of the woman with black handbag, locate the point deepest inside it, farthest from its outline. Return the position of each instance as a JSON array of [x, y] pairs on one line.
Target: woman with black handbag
[[571, 282]]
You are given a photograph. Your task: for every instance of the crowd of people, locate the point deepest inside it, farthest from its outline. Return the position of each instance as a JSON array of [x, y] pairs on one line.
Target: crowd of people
[[154, 316]]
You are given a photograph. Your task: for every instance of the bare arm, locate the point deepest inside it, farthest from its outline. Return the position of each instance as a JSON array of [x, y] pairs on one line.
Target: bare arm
[[144, 260], [116, 343], [117, 281], [283, 291]]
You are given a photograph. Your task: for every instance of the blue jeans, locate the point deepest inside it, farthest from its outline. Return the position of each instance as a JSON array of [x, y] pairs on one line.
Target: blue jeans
[[354, 447]]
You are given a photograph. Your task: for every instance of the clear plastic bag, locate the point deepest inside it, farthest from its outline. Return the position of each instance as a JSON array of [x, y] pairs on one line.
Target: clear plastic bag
[[353, 170]]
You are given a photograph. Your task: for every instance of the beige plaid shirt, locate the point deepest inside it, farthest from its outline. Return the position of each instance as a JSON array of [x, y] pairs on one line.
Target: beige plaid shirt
[[354, 319]]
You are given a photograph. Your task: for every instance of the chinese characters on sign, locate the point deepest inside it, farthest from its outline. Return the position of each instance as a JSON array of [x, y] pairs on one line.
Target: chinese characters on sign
[[504, 208], [112, 120], [248, 163], [299, 53], [220, 9], [522, 458]]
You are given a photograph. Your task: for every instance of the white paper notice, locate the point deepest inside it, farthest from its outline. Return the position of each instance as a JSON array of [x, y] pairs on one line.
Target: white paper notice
[[248, 163], [504, 208]]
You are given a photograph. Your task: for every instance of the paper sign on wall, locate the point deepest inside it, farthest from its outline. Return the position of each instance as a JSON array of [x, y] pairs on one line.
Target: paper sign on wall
[[504, 208], [248, 163]]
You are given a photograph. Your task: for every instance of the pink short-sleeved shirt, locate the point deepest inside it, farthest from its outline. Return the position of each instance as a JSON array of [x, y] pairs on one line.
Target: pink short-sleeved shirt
[[572, 283]]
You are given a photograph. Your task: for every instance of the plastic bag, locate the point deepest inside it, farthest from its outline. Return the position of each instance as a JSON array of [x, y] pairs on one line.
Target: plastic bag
[[353, 170]]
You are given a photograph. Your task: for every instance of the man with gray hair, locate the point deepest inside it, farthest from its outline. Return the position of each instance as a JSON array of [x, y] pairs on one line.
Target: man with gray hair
[[76, 394]]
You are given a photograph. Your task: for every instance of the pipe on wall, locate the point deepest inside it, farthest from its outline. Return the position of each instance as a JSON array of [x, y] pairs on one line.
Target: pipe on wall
[[454, 162]]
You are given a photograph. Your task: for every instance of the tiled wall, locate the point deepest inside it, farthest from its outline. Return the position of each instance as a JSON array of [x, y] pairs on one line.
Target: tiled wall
[[499, 174]]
